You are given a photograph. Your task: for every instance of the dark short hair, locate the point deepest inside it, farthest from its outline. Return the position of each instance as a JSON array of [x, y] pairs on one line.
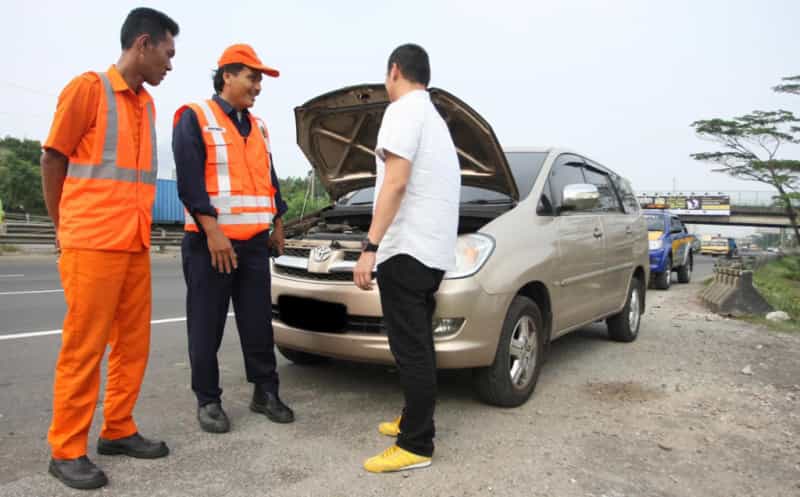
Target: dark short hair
[[219, 81], [147, 21], [412, 60]]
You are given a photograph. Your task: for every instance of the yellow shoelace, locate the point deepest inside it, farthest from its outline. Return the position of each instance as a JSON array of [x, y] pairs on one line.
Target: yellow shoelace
[[390, 451]]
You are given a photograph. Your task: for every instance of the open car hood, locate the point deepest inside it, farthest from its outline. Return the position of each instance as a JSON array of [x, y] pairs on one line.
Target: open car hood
[[338, 131]]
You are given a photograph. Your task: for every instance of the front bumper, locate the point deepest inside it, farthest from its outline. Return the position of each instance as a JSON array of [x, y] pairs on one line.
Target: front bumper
[[364, 338]]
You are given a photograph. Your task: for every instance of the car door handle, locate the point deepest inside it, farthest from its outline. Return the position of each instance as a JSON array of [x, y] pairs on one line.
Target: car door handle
[[598, 233], [628, 230]]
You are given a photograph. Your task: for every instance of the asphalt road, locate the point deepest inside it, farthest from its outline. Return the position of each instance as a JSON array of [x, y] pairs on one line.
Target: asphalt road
[[338, 406]]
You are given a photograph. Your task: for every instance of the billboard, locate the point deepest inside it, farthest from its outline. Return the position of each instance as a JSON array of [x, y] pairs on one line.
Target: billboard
[[692, 204]]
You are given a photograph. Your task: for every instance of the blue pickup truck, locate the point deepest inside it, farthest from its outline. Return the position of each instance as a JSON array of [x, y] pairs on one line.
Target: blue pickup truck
[[671, 249]]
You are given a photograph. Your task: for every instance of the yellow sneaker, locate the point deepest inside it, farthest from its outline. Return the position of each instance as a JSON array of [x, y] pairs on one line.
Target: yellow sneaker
[[395, 459], [390, 428]]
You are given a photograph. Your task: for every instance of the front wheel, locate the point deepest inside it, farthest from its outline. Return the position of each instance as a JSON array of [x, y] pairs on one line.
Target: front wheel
[[664, 279], [511, 378], [624, 326]]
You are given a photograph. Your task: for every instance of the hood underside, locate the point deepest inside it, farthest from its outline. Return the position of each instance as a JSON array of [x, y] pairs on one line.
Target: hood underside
[[338, 132]]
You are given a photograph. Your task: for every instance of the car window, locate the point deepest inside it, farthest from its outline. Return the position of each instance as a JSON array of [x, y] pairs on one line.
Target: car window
[[677, 226], [608, 196], [654, 222], [525, 166], [567, 170], [545, 206], [629, 201]]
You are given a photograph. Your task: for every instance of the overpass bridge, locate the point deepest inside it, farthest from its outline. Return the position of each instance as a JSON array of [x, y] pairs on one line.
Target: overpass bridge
[[727, 208]]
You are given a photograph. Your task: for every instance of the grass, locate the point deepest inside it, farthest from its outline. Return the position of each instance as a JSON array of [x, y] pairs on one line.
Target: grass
[[8, 249], [779, 283], [782, 326]]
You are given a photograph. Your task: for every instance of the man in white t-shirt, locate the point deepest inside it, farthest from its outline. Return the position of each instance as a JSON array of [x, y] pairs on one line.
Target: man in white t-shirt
[[412, 239]]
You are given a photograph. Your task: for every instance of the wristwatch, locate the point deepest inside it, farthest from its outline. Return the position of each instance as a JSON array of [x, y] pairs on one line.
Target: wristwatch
[[368, 246]]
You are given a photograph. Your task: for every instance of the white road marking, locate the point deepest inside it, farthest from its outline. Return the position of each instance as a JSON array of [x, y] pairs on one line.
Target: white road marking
[[31, 292], [32, 334], [12, 275]]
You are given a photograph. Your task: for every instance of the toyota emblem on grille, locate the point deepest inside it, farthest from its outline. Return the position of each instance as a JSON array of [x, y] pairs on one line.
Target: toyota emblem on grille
[[321, 254]]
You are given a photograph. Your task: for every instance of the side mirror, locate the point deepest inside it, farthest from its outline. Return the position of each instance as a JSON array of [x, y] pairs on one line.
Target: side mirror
[[580, 197]]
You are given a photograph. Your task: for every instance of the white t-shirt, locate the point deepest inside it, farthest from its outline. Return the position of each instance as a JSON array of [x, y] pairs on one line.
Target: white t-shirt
[[426, 225]]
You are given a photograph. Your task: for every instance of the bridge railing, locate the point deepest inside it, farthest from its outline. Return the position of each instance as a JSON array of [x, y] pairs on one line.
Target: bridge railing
[[742, 198]]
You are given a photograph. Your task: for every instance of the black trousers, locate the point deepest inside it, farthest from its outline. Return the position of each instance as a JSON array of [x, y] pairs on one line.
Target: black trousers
[[407, 289], [208, 296]]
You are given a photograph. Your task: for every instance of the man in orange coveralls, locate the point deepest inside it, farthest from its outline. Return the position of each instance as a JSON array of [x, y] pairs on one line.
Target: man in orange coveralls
[[98, 175]]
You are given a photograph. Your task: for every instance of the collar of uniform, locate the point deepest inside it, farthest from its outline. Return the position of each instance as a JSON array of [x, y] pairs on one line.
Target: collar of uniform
[[118, 83], [228, 108]]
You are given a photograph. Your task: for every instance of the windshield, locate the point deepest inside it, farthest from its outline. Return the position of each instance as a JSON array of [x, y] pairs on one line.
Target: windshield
[[654, 223], [525, 167], [469, 195]]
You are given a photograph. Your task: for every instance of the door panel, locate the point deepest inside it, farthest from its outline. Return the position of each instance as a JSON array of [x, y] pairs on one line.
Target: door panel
[[581, 272], [580, 267]]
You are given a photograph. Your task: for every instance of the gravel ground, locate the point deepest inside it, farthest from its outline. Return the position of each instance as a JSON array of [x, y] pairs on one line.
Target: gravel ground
[[697, 406]]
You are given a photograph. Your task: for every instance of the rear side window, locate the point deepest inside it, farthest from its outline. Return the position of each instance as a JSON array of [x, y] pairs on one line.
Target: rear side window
[[608, 197], [628, 197], [677, 225]]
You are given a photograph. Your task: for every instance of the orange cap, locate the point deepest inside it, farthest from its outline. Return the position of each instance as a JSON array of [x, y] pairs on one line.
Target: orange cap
[[244, 54]]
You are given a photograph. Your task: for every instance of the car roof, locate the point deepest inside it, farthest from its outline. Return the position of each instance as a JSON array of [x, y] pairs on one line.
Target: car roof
[[555, 151]]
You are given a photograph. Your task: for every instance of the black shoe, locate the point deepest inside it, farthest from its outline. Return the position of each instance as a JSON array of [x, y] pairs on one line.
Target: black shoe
[[80, 473], [213, 419], [270, 404], [133, 446]]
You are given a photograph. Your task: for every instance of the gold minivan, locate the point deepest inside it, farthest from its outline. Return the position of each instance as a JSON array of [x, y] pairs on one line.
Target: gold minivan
[[549, 242]]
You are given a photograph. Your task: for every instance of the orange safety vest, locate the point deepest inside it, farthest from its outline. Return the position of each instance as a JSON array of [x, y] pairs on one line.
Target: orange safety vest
[[238, 179], [107, 198]]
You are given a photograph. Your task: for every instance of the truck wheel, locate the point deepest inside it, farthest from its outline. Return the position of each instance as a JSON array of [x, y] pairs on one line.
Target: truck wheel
[[624, 327], [685, 271], [664, 279], [511, 378]]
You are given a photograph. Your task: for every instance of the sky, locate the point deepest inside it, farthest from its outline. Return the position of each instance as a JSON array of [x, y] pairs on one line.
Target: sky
[[618, 80]]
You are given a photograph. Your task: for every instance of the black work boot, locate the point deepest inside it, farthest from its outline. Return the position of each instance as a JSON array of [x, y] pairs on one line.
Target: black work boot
[[270, 404], [213, 419], [80, 473], [134, 446]]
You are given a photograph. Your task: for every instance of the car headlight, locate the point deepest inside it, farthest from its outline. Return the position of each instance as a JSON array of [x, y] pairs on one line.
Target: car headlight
[[472, 252], [656, 244]]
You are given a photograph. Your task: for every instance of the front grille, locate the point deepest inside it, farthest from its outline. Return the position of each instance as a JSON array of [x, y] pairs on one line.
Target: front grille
[[306, 275], [349, 255], [366, 324], [355, 324], [297, 252]]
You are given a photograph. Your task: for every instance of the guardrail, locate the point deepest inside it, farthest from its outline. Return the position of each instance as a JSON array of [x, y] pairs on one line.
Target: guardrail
[[36, 232]]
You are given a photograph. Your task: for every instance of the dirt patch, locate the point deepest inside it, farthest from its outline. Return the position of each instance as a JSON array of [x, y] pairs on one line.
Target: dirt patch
[[623, 391]]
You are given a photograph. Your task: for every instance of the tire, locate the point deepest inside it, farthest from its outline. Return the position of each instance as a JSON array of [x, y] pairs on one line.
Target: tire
[[624, 326], [301, 358], [512, 377], [664, 279], [685, 271]]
